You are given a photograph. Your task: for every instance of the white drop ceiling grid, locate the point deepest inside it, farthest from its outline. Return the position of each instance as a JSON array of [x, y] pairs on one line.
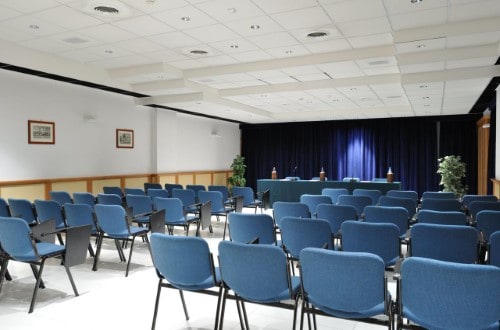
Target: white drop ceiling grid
[[380, 58]]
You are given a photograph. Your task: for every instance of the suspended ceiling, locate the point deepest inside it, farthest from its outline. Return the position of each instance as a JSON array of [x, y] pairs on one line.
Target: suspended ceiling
[[252, 61]]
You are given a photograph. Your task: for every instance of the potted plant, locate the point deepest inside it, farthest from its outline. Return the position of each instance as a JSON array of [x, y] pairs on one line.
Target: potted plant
[[452, 171], [238, 178]]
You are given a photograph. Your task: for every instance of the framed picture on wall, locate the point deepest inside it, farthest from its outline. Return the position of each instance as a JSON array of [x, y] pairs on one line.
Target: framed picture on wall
[[41, 132], [124, 138]]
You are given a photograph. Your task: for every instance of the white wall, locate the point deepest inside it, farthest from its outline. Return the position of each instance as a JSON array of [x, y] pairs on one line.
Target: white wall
[[87, 147]]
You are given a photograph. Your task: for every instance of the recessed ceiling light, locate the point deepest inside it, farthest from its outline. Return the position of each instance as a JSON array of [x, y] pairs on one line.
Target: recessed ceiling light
[[34, 27], [234, 46], [107, 8], [317, 34], [199, 52], [415, 1], [185, 18], [255, 27]]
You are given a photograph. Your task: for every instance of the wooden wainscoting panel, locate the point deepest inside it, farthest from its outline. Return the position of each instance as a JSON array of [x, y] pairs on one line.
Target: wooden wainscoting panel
[[136, 182], [220, 179], [185, 178], [167, 178], [97, 185], [70, 186], [204, 179], [28, 191]]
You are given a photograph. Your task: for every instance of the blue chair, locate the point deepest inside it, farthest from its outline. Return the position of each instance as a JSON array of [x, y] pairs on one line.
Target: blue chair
[[109, 199], [223, 190], [112, 223], [385, 214], [139, 208], [217, 206], [249, 199], [291, 209], [359, 203], [4, 208], [438, 195], [312, 201], [62, 197], [350, 285], [153, 193], [335, 215], [444, 242], [185, 264], [437, 204], [467, 199], [445, 295], [16, 239], [134, 191], [51, 210], [84, 198], [175, 215], [408, 203], [494, 249], [334, 193], [113, 190], [171, 186], [477, 206], [256, 273], [187, 197], [24, 209], [196, 188], [372, 193], [488, 222], [150, 185], [381, 239], [245, 228], [442, 217], [81, 215], [411, 194]]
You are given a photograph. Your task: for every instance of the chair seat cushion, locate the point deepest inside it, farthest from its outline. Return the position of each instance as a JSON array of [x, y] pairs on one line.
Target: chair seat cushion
[[284, 295], [206, 284], [375, 310], [44, 250]]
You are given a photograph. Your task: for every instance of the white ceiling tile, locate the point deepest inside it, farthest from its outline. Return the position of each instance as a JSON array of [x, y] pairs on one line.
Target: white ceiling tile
[[381, 70], [301, 70], [328, 46], [364, 27], [419, 18], [424, 67], [29, 6], [107, 33], [234, 46], [108, 51], [218, 60], [473, 39], [67, 17], [166, 56], [371, 40], [252, 56], [342, 69], [395, 7], [272, 77], [119, 62], [311, 77], [174, 40], [139, 45], [74, 39], [143, 26], [265, 25], [288, 51], [273, 40], [421, 45], [187, 64], [277, 6], [35, 26], [46, 45], [81, 55], [471, 11], [6, 13], [470, 63], [376, 62], [155, 7], [212, 33], [230, 10], [355, 10], [14, 35], [304, 18], [174, 18]]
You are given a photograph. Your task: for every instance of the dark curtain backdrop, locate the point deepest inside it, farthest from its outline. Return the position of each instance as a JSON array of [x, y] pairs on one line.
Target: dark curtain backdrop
[[363, 149]]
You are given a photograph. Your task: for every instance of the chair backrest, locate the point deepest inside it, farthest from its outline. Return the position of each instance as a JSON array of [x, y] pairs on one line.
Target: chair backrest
[[246, 192], [411, 194], [442, 217], [149, 185], [467, 199], [174, 210], [134, 191], [408, 203], [374, 194], [388, 214], [84, 198], [336, 214], [4, 208], [477, 206], [488, 222], [22, 208], [381, 239], [245, 227], [109, 199], [215, 197], [291, 209], [196, 187], [351, 282], [62, 197], [312, 201], [359, 203], [334, 193], [437, 204], [15, 239], [438, 195], [221, 189], [153, 192], [139, 203], [299, 233], [79, 215], [444, 242], [187, 196], [256, 272], [445, 295], [184, 261], [112, 190], [48, 210], [494, 249], [112, 219], [171, 186]]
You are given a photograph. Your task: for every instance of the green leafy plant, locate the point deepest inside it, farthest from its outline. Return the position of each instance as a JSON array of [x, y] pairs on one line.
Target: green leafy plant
[[452, 171], [238, 178]]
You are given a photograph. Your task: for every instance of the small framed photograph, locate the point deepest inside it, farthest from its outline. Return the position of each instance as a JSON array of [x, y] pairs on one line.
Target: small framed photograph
[[124, 138], [41, 132]]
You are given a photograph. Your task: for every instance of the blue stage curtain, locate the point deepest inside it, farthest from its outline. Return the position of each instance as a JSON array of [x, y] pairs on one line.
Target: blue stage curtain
[[362, 148]]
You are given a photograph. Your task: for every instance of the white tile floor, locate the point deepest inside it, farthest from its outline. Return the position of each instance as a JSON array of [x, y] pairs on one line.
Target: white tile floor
[[110, 300]]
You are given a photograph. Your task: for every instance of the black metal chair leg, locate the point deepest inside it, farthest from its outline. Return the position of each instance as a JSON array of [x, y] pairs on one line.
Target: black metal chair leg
[[223, 308], [91, 250], [244, 310], [217, 312], [37, 274], [35, 291], [98, 252], [68, 272], [184, 305], [130, 255], [4, 272]]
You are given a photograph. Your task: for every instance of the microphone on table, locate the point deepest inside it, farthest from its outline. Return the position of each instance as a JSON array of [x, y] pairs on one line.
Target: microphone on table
[[294, 173]]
